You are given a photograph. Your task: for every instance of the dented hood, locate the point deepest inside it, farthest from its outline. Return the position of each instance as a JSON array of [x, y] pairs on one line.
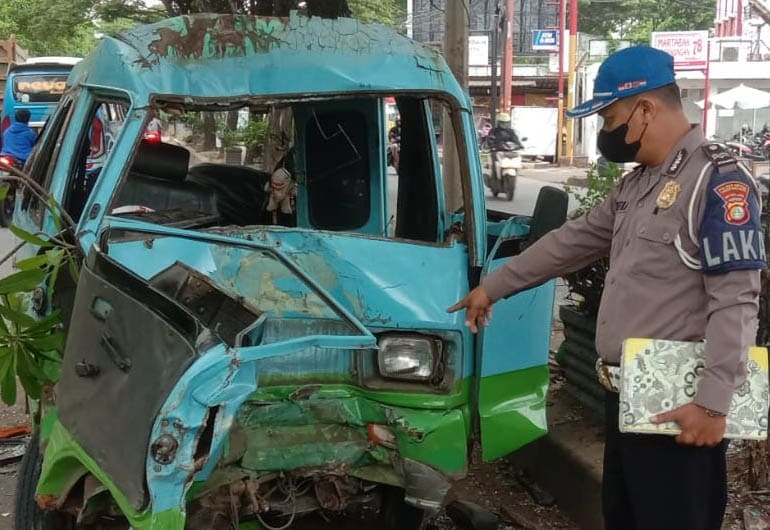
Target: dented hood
[[376, 282]]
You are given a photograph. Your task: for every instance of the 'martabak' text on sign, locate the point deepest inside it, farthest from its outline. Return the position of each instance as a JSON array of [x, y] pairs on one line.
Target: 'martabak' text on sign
[[689, 48]]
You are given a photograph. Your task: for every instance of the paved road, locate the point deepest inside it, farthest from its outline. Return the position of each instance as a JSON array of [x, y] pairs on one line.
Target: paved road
[[527, 189]]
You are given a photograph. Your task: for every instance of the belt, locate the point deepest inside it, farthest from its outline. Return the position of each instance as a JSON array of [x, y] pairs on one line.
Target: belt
[[609, 375]]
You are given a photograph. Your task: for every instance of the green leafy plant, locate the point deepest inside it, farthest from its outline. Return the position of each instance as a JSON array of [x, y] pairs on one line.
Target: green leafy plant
[[255, 133], [587, 284], [31, 346], [599, 182]]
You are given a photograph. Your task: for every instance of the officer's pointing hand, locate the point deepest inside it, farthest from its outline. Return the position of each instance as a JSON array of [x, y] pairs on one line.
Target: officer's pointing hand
[[478, 308], [698, 428]]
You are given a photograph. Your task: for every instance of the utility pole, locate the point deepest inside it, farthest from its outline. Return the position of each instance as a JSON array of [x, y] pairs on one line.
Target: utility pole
[[495, 52], [456, 52], [573, 29], [508, 57], [560, 117]]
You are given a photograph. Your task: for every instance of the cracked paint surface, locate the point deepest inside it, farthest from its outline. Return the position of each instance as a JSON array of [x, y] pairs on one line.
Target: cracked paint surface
[[231, 56]]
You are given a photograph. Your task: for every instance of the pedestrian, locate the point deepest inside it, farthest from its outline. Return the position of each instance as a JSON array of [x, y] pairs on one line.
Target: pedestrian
[[19, 138], [394, 144], [683, 235]]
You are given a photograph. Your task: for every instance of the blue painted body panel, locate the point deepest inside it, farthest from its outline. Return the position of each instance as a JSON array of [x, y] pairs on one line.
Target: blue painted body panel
[[382, 282], [524, 318], [299, 56]]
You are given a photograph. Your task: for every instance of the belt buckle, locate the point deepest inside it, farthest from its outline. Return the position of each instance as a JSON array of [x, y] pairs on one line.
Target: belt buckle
[[603, 374]]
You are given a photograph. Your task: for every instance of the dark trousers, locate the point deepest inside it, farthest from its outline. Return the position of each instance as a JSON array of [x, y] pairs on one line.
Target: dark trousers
[[652, 483]]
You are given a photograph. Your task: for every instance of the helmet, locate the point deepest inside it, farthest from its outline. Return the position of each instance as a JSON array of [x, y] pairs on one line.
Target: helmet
[[504, 116]]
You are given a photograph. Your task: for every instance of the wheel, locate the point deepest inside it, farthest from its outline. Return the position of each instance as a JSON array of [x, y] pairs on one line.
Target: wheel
[[29, 516], [6, 208], [510, 187], [396, 514]]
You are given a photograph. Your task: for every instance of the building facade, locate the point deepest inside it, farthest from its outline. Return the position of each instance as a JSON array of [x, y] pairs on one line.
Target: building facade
[[428, 21]]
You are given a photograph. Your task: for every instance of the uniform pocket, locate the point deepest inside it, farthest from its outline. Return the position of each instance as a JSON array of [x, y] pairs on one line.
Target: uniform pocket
[[661, 231], [653, 249]]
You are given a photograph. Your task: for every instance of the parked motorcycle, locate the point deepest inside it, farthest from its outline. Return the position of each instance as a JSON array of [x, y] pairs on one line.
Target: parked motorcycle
[[9, 202], [750, 145], [501, 169]]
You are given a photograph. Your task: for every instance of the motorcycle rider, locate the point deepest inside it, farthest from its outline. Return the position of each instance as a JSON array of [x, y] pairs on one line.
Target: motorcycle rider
[[501, 138], [19, 138], [503, 133]]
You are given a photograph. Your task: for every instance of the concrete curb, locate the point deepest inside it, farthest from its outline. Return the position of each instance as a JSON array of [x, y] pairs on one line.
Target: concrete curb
[[536, 165], [568, 461]]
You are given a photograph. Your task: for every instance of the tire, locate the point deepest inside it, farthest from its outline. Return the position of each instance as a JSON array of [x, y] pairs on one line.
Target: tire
[[510, 187], [396, 514], [6, 208], [29, 516]]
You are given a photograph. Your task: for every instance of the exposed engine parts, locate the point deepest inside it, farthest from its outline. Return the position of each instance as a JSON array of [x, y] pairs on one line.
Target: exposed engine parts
[[276, 500]]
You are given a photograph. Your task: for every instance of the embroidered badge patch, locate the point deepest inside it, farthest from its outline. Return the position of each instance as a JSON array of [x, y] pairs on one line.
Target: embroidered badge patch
[[730, 232], [734, 195]]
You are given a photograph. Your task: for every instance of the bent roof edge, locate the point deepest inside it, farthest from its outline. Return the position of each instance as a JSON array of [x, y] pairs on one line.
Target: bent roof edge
[[243, 55]]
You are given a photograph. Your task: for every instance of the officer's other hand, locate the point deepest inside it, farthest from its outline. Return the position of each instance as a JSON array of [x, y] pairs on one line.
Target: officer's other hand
[[698, 428], [478, 308]]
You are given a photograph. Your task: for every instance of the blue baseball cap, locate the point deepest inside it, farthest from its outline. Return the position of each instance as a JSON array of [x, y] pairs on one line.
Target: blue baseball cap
[[626, 73]]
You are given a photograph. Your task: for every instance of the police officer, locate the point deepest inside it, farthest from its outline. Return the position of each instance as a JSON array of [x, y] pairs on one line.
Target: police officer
[[683, 235]]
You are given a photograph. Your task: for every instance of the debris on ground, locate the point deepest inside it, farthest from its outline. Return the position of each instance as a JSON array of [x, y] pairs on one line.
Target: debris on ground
[[755, 519]]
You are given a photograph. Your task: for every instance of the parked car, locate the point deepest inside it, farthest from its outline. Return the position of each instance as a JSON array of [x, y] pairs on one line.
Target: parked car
[[260, 344]]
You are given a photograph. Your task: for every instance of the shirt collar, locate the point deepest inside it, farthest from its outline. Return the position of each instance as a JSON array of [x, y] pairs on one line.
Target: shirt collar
[[681, 153]]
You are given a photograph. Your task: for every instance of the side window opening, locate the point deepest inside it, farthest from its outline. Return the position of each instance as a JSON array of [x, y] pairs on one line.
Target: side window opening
[[412, 191], [42, 160], [106, 121]]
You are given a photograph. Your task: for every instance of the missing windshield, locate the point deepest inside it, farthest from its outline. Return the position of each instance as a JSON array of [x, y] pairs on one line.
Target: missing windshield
[[368, 164]]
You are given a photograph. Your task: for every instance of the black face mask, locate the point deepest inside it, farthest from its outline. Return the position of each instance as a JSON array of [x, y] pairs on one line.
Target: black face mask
[[612, 144]]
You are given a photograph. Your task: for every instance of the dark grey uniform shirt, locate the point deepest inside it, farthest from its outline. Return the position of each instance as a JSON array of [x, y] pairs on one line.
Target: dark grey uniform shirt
[[654, 287]]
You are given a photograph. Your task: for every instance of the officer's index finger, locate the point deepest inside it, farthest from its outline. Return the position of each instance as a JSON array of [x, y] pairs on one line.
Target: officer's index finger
[[459, 305]]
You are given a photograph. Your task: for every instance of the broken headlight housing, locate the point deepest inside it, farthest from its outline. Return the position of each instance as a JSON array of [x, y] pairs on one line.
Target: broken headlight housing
[[409, 356]]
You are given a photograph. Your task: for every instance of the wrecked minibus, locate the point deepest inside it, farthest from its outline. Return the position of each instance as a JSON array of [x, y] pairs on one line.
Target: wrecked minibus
[[258, 332]]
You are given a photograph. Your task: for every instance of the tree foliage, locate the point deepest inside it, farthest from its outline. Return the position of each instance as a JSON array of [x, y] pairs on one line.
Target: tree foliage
[[48, 27], [636, 19], [71, 27]]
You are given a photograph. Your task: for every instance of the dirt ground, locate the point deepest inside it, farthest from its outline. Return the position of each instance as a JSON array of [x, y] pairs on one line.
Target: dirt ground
[[10, 417]]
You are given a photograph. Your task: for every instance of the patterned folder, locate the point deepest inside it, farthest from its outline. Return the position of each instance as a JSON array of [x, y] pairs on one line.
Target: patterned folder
[[661, 375]]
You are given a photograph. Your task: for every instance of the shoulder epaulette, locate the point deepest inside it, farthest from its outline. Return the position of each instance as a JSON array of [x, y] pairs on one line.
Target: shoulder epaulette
[[722, 159]]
